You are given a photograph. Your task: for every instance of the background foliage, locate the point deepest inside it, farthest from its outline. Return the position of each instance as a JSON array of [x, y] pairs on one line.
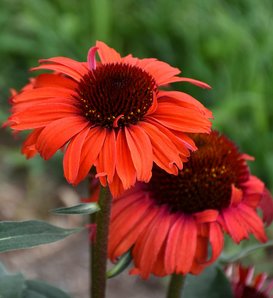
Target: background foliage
[[225, 43]]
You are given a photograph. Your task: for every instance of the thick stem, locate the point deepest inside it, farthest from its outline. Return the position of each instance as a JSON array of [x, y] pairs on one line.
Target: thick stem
[[99, 248], [176, 286]]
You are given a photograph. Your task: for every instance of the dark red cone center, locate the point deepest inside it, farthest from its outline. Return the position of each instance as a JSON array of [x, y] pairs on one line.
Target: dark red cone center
[[116, 94], [206, 180]]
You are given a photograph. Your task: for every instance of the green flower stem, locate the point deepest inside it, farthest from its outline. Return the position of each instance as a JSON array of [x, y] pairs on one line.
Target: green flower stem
[[99, 248], [176, 286]]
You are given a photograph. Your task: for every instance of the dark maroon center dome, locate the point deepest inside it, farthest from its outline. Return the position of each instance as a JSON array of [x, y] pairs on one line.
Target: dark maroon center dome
[[206, 180], [116, 94]]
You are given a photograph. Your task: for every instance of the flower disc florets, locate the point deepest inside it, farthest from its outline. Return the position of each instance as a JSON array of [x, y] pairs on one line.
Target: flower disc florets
[[116, 94], [206, 179]]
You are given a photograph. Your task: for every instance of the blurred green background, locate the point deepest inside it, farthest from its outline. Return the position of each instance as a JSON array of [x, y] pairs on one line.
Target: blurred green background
[[226, 43]]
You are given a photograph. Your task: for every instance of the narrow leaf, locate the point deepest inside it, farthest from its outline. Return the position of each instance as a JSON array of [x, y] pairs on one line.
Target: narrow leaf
[[12, 286], [32, 294], [26, 234], [244, 252], [121, 265], [83, 208], [212, 283], [44, 290]]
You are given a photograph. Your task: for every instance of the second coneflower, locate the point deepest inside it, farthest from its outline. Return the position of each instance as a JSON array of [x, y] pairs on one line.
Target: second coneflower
[[246, 285], [173, 220], [111, 114]]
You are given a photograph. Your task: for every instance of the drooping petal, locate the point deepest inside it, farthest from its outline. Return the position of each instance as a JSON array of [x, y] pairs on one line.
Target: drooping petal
[[125, 167], [72, 156], [171, 247], [186, 247], [266, 204], [216, 239], [122, 237], [236, 196], [180, 141], [106, 162], [151, 242], [57, 134], [166, 156], [124, 201], [233, 224], [253, 222], [116, 187], [141, 151], [181, 119], [29, 145], [90, 151], [183, 100]]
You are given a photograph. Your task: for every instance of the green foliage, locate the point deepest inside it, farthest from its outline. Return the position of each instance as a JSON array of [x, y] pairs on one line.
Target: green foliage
[[212, 283], [26, 234], [16, 286], [83, 208], [123, 262], [243, 253]]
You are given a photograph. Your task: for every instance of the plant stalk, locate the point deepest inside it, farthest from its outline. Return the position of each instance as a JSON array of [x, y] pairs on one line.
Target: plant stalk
[[99, 247], [176, 286]]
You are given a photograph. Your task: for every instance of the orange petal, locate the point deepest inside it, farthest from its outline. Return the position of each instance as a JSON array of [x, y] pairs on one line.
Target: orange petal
[[57, 134], [186, 247], [181, 119], [107, 54], [125, 167], [54, 80], [141, 151], [164, 156], [107, 157], [29, 145], [90, 151], [72, 156], [41, 115], [170, 259]]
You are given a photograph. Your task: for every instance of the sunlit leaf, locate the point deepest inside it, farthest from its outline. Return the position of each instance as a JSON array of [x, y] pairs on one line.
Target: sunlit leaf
[[83, 208], [26, 234], [121, 265]]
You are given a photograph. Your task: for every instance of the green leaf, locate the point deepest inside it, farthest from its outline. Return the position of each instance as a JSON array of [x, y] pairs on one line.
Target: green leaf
[[12, 286], [121, 265], [83, 208], [212, 283], [3, 270], [26, 234], [43, 290], [244, 252], [32, 294]]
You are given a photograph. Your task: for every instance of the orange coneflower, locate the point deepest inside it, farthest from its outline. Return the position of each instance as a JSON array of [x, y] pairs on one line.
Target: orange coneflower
[[111, 114], [170, 222], [245, 285]]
